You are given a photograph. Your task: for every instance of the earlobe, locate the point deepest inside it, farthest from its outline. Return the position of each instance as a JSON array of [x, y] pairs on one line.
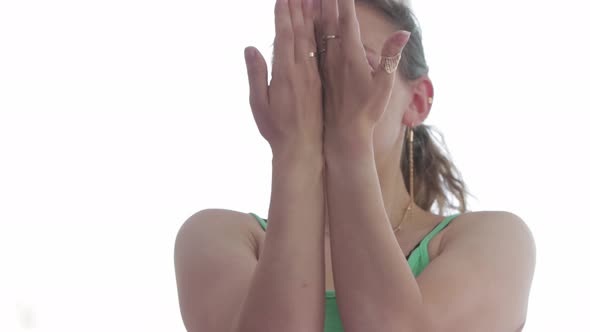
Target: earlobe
[[410, 119]]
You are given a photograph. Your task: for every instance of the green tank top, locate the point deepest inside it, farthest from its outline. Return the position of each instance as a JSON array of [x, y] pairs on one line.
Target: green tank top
[[418, 260]]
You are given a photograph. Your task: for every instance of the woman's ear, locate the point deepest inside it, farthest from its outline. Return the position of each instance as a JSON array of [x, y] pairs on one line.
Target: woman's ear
[[421, 93]]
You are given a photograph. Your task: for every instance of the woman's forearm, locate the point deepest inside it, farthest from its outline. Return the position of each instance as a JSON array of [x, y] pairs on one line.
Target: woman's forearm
[[375, 285], [288, 287]]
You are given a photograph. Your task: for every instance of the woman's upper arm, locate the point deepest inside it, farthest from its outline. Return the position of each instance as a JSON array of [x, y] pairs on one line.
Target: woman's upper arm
[[482, 277], [214, 261]]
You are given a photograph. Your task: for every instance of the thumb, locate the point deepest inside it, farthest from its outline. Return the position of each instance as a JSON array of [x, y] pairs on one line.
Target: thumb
[[257, 78], [391, 54]]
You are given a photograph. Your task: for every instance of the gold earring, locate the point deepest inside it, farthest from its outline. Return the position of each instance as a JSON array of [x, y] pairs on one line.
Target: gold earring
[[411, 170], [410, 139], [430, 100]]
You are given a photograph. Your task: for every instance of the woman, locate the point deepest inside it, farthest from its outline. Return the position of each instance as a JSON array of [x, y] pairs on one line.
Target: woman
[[349, 148]]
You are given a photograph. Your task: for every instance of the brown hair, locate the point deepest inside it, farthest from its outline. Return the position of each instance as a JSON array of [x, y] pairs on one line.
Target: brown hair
[[434, 173]]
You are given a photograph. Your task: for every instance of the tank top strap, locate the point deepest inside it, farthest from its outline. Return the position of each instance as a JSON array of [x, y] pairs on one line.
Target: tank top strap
[[438, 228], [262, 222], [419, 258]]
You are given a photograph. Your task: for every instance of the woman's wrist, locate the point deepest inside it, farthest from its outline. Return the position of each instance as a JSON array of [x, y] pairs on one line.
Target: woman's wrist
[[343, 145], [299, 157]]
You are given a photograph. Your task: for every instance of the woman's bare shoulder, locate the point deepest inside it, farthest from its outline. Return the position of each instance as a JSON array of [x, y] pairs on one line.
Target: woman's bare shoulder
[[474, 224], [243, 223], [474, 218]]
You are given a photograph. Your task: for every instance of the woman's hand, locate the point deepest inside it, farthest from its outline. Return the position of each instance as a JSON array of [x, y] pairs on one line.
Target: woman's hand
[[288, 112], [355, 96]]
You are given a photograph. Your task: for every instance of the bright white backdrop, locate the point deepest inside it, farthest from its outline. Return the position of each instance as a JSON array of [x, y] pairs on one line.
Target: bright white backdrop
[[120, 119]]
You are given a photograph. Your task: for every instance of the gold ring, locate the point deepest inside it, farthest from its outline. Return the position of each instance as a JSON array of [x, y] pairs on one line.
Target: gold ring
[[326, 37], [390, 63], [312, 54]]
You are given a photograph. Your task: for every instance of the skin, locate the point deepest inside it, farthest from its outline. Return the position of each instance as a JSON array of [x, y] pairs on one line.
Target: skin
[[408, 104], [362, 143], [481, 270]]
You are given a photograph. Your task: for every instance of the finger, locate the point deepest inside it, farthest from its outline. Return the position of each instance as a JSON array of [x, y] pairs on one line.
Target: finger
[[348, 23], [317, 27], [391, 53], [309, 30], [310, 22], [301, 48], [329, 22], [329, 17], [316, 9], [283, 46], [257, 78]]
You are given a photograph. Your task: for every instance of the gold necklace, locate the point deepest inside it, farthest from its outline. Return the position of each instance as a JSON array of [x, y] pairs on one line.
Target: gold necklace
[[408, 209]]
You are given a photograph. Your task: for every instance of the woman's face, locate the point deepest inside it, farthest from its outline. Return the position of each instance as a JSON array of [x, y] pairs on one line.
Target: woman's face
[[375, 29]]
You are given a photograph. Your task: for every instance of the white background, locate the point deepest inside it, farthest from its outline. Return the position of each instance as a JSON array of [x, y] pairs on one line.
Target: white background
[[120, 119]]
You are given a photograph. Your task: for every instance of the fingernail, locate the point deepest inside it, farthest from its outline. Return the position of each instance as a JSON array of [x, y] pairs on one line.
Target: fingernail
[[403, 37]]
